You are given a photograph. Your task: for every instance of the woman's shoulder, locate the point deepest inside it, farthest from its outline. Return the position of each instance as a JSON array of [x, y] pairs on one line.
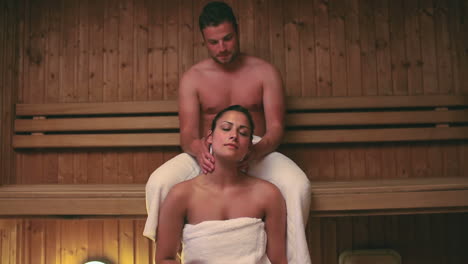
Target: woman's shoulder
[[181, 190], [266, 188]]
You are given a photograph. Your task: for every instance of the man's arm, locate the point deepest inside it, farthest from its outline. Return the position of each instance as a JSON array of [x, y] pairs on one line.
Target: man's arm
[[275, 226], [189, 118], [274, 107]]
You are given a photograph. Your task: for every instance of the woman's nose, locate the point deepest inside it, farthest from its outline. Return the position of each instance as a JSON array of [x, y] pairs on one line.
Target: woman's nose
[[233, 135]]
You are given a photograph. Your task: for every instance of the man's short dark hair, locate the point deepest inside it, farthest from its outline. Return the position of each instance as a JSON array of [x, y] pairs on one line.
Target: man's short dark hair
[[215, 13]]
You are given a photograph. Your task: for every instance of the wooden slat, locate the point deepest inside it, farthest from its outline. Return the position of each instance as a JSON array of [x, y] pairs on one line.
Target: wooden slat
[[300, 119], [376, 135], [97, 124], [291, 137], [328, 198], [376, 118], [314, 103], [96, 140], [292, 103], [163, 106]]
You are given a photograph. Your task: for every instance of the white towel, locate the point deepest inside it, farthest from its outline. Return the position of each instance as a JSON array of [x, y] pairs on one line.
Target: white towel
[[237, 241]]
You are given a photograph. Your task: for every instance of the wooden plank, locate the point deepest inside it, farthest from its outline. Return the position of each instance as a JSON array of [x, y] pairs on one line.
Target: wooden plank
[[322, 44], [83, 74], [98, 124], [142, 245], [171, 53], [74, 240], [161, 106], [397, 47], [374, 135], [307, 55], [353, 49], [342, 163], [36, 54], [291, 137], [373, 161], [314, 234], [428, 47], [329, 237], [125, 55], [292, 24], [277, 35], [111, 240], [376, 231], [419, 160], [96, 50], [328, 198], [68, 60], [344, 226], [126, 90], [310, 103], [361, 232], [367, 36], [125, 167], [126, 238], [96, 239], [52, 241], [246, 20], [80, 167], [262, 30], [140, 50], [37, 241], [111, 49], [338, 56], [413, 47], [382, 32], [444, 46], [52, 59], [403, 158], [370, 118], [451, 161], [293, 104]]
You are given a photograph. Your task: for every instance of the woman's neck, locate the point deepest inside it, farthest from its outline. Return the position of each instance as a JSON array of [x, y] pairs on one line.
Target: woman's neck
[[226, 173]]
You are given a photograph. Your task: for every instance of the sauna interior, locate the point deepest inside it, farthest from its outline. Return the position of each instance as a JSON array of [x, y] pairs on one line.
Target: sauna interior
[[113, 51]]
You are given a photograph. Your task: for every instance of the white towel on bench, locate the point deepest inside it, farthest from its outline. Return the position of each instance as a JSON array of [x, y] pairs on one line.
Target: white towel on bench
[[237, 241]]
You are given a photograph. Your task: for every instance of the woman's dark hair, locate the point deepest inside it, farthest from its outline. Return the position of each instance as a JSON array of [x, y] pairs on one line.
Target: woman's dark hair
[[215, 13], [239, 109]]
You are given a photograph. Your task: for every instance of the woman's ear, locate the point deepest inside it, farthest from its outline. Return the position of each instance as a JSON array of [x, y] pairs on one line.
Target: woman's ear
[[209, 137]]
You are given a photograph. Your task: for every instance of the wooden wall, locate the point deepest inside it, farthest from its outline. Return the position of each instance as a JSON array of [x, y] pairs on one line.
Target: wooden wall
[[8, 85], [136, 50]]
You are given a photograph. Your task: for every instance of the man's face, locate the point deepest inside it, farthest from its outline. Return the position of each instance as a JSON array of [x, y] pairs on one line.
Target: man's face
[[222, 42]]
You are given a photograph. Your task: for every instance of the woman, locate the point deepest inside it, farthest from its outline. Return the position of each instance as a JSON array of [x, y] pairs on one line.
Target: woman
[[225, 216]]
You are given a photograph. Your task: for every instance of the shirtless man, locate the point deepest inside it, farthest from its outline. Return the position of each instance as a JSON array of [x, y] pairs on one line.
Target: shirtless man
[[227, 78]]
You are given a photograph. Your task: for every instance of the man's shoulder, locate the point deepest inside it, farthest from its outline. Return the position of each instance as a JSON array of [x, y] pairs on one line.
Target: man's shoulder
[[259, 64]]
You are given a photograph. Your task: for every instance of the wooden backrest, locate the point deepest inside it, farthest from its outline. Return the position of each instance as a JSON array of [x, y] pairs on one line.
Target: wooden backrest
[[308, 120]]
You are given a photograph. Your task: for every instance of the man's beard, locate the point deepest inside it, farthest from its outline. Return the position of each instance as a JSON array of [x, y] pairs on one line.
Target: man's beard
[[234, 55]]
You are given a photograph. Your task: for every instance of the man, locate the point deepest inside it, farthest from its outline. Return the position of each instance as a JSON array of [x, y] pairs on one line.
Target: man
[[228, 78]]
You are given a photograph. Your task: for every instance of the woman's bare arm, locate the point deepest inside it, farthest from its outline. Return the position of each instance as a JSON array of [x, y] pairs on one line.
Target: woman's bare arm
[[275, 226], [171, 222]]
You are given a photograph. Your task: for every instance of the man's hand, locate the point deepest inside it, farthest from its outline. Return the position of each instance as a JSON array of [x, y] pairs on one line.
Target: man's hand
[[244, 163], [204, 158]]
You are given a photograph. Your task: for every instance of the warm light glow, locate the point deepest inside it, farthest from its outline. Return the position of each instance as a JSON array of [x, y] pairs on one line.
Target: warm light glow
[[95, 262]]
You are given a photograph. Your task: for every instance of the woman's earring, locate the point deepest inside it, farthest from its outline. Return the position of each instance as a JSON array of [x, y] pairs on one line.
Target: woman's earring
[[211, 149]]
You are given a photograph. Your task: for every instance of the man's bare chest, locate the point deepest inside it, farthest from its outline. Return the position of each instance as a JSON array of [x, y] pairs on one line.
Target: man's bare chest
[[217, 95]]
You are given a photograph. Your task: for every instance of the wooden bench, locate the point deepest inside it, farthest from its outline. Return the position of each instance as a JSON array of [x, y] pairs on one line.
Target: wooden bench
[[308, 121], [328, 198]]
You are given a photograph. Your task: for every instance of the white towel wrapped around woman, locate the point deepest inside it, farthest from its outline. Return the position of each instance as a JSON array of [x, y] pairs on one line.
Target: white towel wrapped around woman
[[239, 240]]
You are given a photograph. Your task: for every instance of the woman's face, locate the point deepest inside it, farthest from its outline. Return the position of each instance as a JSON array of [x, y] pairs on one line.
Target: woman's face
[[231, 137]]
